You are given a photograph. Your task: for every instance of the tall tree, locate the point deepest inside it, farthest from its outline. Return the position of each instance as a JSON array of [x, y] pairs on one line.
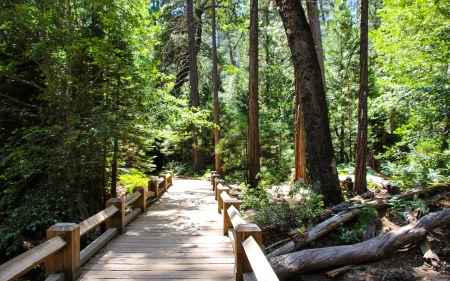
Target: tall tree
[[321, 161], [361, 145], [197, 152], [253, 109], [217, 159]]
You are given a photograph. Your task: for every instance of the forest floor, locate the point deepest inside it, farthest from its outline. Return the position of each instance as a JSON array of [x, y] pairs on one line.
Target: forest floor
[[406, 263]]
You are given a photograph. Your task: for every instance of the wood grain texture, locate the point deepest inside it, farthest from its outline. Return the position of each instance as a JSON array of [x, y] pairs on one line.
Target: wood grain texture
[[21, 264], [178, 238], [97, 219]]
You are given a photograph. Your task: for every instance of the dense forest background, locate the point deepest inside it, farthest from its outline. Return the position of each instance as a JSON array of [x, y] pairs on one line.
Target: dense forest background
[[90, 87]]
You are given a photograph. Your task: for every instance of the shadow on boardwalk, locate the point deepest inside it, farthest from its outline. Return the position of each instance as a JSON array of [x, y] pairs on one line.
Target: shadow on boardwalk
[[179, 238]]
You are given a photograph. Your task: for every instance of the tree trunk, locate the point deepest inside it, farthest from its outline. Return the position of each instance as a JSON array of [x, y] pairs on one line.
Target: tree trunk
[[198, 156], [300, 171], [321, 161], [361, 146], [217, 160], [315, 232], [114, 168], [314, 24], [370, 250], [253, 110]]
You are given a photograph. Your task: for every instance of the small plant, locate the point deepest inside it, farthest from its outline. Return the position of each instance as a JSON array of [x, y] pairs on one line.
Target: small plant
[[365, 218], [132, 179], [417, 204], [280, 214]]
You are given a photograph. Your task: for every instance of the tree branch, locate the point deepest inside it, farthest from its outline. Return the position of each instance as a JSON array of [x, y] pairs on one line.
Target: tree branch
[[20, 102]]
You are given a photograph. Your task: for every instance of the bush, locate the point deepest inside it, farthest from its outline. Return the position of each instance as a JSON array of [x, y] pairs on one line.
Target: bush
[[132, 179], [366, 217], [281, 215]]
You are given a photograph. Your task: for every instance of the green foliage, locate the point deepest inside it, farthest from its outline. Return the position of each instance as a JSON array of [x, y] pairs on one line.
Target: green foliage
[[132, 179], [180, 168], [416, 205], [279, 214], [365, 217]]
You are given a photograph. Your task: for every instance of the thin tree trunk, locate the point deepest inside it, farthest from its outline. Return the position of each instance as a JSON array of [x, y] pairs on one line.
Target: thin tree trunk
[[114, 168], [300, 171], [217, 160], [253, 109], [193, 79], [361, 147], [321, 161]]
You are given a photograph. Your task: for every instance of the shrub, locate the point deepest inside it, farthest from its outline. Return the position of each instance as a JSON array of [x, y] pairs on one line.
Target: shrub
[[132, 179]]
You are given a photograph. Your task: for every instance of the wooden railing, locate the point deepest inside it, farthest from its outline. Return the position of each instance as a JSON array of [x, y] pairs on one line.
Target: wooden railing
[[246, 239], [61, 251]]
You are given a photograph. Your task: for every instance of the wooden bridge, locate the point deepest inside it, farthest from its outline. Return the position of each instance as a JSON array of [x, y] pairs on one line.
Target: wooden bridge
[[180, 236]]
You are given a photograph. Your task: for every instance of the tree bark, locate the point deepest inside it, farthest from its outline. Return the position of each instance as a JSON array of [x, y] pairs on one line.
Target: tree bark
[[253, 109], [314, 23], [300, 171], [314, 233], [361, 146], [197, 152], [114, 168], [217, 159], [370, 250], [321, 161]]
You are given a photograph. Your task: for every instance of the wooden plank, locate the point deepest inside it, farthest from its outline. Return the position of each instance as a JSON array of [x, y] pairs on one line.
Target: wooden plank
[[231, 234], [159, 267], [249, 276], [97, 219], [131, 215], [235, 217], [163, 274], [158, 246], [226, 218], [56, 277], [149, 261], [211, 254], [133, 197], [151, 194], [93, 248], [18, 266], [144, 249], [258, 261]]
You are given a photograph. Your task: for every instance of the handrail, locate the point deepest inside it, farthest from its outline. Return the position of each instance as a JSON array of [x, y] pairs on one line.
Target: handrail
[[97, 219], [258, 262], [63, 239], [133, 197], [246, 239], [21, 264]]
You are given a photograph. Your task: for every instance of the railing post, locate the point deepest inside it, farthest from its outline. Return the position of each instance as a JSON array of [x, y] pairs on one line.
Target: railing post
[[219, 198], [164, 181], [142, 201], [118, 219], [242, 231], [170, 177], [226, 218], [217, 192], [213, 180], [153, 186], [67, 260]]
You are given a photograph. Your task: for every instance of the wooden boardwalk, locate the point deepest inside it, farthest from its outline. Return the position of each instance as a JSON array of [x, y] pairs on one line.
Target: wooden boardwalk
[[178, 238]]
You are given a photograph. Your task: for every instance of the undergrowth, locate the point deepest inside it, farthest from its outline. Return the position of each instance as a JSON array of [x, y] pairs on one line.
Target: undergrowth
[[281, 212]]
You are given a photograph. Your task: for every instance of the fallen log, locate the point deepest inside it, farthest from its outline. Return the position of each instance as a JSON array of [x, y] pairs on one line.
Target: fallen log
[[373, 249], [301, 240]]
